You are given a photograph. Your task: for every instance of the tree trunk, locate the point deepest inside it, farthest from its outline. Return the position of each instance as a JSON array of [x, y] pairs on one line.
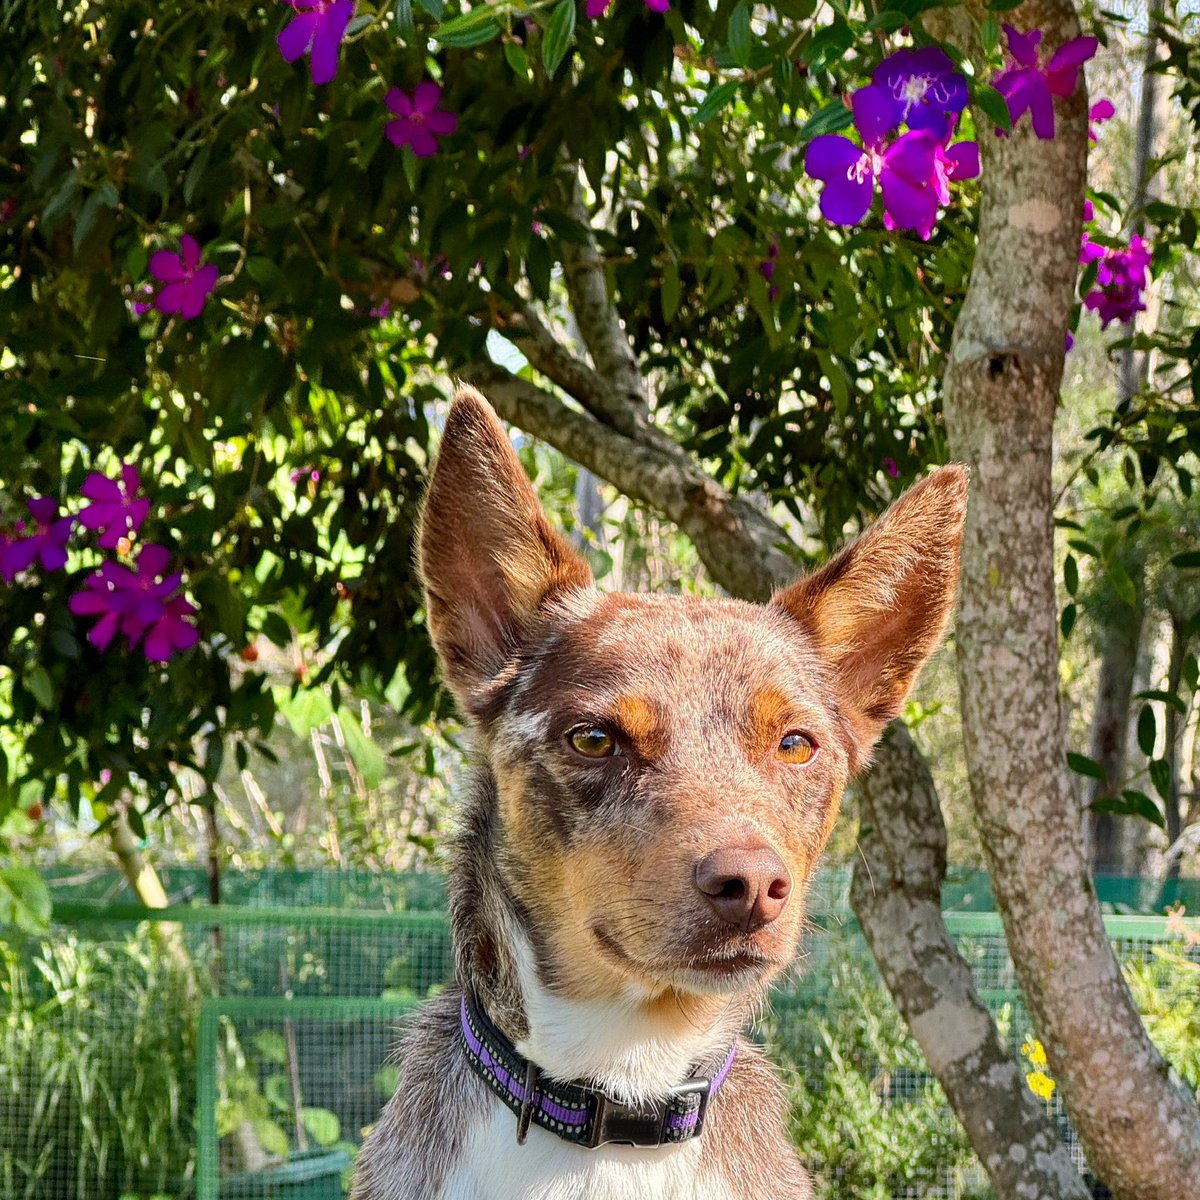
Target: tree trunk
[[896, 894], [1141, 1132], [1119, 641], [1171, 743]]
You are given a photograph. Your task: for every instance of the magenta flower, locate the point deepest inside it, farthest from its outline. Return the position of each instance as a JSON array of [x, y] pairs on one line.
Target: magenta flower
[[187, 282], [46, 544], [597, 8], [138, 603], [1030, 87], [318, 27], [115, 511], [419, 122], [927, 92], [1120, 280], [1101, 111], [905, 169], [889, 465], [953, 163], [766, 269]]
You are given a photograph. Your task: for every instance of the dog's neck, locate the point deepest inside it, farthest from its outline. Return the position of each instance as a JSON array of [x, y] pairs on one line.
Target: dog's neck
[[636, 1045]]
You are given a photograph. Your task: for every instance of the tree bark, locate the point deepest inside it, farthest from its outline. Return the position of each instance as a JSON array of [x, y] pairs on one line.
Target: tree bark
[[1119, 641], [896, 894], [1141, 1132], [1171, 747]]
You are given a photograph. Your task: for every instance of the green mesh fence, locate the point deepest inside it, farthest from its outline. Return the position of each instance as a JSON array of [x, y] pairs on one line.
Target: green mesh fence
[[243, 1051]]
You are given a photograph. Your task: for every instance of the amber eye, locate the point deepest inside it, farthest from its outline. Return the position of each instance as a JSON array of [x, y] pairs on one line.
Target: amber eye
[[795, 747], [592, 741]]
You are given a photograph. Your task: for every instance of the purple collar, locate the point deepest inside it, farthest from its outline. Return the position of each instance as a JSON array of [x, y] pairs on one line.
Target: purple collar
[[579, 1112]]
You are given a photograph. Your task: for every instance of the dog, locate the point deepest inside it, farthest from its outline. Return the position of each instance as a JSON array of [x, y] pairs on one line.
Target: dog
[[656, 777]]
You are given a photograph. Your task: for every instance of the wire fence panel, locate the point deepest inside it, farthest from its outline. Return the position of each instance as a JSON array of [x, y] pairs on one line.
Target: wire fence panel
[[242, 1051]]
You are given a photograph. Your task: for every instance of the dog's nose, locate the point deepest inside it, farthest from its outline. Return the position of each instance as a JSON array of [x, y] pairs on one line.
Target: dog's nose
[[746, 886]]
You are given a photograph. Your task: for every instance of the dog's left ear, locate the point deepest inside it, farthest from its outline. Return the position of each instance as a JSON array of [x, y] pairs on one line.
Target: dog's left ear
[[878, 609]]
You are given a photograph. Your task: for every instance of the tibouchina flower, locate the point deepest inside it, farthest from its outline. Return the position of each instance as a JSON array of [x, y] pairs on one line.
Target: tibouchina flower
[[419, 121], [115, 509], [1120, 280], [1029, 87], [138, 603], [187, 282], [46, 543], [904, 168], [319, 26], [927, 91], [597, 8], [1101, 111]]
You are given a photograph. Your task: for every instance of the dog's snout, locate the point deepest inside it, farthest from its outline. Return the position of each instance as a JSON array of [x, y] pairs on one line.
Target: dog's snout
[[746, 886]]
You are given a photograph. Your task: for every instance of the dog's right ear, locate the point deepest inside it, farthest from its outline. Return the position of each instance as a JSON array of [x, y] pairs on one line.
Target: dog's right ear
[[488, 557]]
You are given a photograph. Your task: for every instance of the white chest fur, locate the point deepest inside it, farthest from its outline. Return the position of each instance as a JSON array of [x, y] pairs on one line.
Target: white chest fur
[[494, 1167]]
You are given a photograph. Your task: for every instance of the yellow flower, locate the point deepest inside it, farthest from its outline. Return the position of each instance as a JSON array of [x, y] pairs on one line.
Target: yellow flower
[[1040, 1084], [1035, 1052]]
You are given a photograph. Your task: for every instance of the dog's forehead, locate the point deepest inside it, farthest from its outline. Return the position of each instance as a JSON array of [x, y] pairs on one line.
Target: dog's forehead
[[663, 644]]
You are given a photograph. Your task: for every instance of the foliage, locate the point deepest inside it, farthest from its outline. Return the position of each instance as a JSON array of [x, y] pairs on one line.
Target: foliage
[[1166, 988], [864, 1109], [75, 1118]]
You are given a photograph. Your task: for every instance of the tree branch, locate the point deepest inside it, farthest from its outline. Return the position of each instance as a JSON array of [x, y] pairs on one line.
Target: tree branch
[[896, 894]]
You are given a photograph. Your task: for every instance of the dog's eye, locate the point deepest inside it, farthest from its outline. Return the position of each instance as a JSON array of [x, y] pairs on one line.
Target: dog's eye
[[795, 747], [592, 741]]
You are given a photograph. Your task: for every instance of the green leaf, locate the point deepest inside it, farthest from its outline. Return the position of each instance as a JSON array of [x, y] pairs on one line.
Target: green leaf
[[367, 756], [989, 34], [559, 35], [24, 900], [271, 1138], [670, 290], [39, 683], [1082, 765], [435, 8], [715, 101], [322, 1125], [404, 19], [517, 59], [1160, 776], [474, 27], [741, 39], [275, 1088], [1071, 575], [1147, 730], [1176, 702], [993, 106], [1187, 560], [830, 119], [270, 1046], [1122, 582], [1067, 621], [827, 46]]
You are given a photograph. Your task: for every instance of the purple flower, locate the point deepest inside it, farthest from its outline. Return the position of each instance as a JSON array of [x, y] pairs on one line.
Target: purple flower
[[905, 169], [957, 162], [419, 122], [597, 8], [319, 26], [1029, 87], [114, 510], [138, 603], [187, 282], [381, 310], [889, 465], [47, 543], [1101, 111], [1120, 280], [766, 268], [927, 92]]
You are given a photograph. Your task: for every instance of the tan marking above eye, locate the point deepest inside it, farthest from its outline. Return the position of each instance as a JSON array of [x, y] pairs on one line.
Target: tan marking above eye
[[796, 748], [592, 741]]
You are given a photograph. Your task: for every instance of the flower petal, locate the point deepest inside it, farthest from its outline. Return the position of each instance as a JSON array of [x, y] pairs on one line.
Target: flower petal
[[424, 144], [399, 132], [42, 509], [912, 157], [297, 36], [102, 633], [830, 155], [1023, 46], [876, 113], [1073, 53], [910, 205], [191, 252], [426, 96], [442, 123], [152, 560], [963, 161], [170, 299], [845, 200]]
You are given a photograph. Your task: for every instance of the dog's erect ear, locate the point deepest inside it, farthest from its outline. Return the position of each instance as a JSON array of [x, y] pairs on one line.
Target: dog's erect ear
[[488, 556], [879, 608]]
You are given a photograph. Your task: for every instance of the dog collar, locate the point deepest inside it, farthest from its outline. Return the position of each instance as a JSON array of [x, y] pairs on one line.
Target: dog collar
[[579, 1112]]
